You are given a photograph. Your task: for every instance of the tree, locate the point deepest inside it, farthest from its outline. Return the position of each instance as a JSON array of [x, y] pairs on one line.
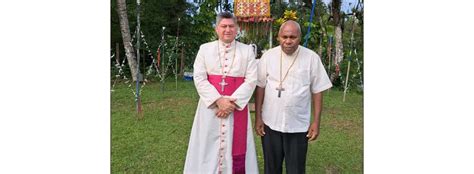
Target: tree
[[336, 14], [125, 30]]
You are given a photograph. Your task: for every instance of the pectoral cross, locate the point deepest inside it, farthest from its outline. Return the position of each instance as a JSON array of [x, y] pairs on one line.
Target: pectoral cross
[[279, 90], [223, 83]]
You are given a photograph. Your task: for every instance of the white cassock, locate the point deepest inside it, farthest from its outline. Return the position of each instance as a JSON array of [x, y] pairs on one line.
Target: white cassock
[[210, 143]]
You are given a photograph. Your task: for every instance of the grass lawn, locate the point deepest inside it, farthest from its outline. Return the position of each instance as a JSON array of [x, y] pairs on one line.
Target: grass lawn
[[158, 143]]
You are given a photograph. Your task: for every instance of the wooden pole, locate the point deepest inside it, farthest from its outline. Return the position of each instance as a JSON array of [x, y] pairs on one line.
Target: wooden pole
[[320, 48], [271, 35], [181, 71], [117, 63], [347, 79], [144, 64], [329, 54], [350, 58], [164, 66], [137, 97], [176, 64], [117, 53]]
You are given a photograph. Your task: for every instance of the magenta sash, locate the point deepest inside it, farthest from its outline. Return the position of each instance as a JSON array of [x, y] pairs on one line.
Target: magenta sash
[[239, 143]]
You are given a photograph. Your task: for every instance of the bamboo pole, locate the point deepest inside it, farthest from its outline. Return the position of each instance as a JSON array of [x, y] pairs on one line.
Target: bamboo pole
[[138, 98], [271, 36], [144, 63], [176, 64], [181, 71], [347, 79], [329, 54], [117, 64], [320, 48], [162, 62], [350, 58], [117, 53]]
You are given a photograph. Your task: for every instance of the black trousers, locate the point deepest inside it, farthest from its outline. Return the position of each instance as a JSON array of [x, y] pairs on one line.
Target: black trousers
[[278, 146]]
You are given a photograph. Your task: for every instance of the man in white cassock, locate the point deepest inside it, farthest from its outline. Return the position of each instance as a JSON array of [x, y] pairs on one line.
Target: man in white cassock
[[225, 76], [289, 77]]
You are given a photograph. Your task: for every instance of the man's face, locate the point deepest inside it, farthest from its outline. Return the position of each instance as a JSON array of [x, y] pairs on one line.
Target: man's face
[[289, 38], [226, 30]]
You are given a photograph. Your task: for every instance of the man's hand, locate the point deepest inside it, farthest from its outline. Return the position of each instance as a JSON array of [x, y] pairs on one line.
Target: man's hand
[[225, 107], [313, 132], [222, 113], [259, 127], [226, 104]]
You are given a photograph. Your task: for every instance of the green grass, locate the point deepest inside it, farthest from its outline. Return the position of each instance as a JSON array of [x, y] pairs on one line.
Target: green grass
[[158, 142]]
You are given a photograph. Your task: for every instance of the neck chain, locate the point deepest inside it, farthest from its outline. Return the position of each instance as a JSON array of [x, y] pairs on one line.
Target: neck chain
[[280, 88], [224, 73]]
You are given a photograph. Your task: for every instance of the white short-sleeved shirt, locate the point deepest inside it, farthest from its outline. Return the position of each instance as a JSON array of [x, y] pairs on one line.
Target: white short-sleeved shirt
[[291, 112]]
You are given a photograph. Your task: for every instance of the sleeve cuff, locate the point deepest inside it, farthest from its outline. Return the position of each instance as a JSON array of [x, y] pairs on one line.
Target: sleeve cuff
[[325, 87], [211, 103], [239, 106]]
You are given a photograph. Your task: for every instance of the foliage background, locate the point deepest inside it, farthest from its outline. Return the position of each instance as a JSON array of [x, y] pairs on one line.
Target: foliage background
[[196, 27]]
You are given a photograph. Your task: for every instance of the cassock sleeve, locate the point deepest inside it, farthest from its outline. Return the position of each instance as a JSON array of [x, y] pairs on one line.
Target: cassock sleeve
[[206, 91], [319, 78], [245, 91]]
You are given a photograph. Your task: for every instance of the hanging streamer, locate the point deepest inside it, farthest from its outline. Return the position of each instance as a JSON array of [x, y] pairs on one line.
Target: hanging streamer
[[309, 26]]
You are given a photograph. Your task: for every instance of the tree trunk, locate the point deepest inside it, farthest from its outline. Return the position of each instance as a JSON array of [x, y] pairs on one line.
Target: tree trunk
[[336, 11], [127, 44], [339, 47]]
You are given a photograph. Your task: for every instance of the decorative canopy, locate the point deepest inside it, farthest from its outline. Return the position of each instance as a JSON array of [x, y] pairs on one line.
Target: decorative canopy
[[252, 10], [255, 21]]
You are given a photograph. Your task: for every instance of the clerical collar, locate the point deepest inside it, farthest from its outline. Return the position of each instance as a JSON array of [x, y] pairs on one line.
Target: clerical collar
[[227, 45]]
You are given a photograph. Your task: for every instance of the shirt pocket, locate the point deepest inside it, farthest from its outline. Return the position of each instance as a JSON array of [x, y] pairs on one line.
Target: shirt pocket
[[300, 78], [298, 85]]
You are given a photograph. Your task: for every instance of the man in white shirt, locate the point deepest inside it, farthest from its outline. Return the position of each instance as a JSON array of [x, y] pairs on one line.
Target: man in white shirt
[[289, 77], [225, 76]]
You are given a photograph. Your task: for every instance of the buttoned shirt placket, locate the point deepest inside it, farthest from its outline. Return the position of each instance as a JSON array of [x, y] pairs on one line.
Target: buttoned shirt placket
[[223, 126]]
